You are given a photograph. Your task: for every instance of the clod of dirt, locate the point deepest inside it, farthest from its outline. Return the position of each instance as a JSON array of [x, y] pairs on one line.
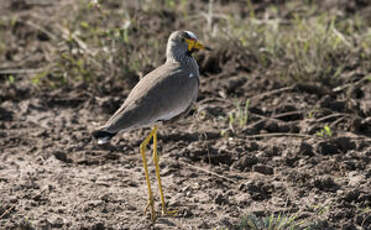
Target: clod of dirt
[[2, 134], [109, 104], [5, 115], [270, 151], [365, 126], [218, 158], [264, 169], [254, 129], [356, 179], [62, 156], [364, 220], [350, 165], [98, 226], [352, 195], [272, 126], [215, 111], [56, 222], [221, 199], [312, 88], [328, 103], [209, 63], [326, 184], [253, 146], [258, 190], [349, 226], [344, 143], [186, 213], [327, 148], [235, 83], [289, 116], [366, 107], [246, 162], [306, 149]]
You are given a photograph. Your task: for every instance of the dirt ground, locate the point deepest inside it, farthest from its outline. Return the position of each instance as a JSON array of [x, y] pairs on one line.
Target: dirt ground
[[54, 175]]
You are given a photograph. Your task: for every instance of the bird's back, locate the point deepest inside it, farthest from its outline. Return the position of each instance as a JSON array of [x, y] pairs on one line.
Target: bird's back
[[161, 95]]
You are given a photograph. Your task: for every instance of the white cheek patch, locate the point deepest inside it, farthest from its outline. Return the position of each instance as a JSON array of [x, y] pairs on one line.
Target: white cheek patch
[[192, 35], [191, 75]]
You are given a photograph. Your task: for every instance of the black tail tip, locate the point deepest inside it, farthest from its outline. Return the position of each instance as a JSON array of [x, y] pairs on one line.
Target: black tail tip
[[100, 134]]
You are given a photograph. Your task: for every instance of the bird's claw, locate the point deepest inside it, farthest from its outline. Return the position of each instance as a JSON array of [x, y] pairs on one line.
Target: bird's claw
[[166, 212], [153, 211]]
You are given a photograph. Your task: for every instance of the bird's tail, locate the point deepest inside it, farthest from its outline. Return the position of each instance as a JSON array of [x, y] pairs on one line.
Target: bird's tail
[[102, 136]]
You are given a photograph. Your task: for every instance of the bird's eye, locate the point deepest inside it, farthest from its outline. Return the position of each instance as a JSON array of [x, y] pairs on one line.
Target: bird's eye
[[186, 36]]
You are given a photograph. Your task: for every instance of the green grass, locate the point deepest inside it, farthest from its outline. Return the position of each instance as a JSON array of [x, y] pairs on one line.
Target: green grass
[[318, 47], [239, 117], [271, 222], [325, 132], [280, 221]]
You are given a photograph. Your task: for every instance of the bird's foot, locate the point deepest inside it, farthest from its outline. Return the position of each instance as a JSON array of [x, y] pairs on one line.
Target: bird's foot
[[166, 212], [151, 205]]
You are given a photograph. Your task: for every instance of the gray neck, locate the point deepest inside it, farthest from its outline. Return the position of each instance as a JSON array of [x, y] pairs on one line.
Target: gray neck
[[180, 56], [177, 55]]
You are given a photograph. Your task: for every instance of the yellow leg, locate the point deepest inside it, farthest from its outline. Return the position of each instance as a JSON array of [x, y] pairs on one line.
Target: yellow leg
[[150, 204], [155, 160]]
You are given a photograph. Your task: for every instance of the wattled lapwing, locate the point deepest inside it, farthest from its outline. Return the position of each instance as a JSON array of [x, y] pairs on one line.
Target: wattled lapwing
[[161, 95]]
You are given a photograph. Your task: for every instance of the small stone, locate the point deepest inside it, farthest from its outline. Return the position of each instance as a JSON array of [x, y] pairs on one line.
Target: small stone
[[56, 222], [6, 115], [356, 180], [187, 188], [220, 199], [62, 156], [272, 126], [187, 213], [226, 222], [345, 143], [327, 148], [352, 195], [306, 149], [98, 226], [130, 207], [326, 183], [349, 226], [264, 169], [258, 190], [365, 106], [246, 161], [188, 194], [166, 222]]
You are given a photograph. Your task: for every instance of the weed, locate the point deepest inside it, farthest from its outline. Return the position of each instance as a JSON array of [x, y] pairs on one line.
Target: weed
[[301, 48], [272, 222], [366, 213], [38, 77], [11, 79], [239, 116], [325, 132]]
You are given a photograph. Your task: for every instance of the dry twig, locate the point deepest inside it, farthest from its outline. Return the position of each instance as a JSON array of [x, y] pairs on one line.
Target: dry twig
[[208, 171], [7, 211]]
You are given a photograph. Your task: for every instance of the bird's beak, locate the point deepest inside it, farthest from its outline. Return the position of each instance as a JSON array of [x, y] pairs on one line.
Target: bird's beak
[[194, 45]]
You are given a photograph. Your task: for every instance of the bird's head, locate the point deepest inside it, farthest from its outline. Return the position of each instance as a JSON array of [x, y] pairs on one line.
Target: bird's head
[[183, 43]]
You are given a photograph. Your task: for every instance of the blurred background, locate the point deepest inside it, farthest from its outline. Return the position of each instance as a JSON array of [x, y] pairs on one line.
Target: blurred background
[[62, 43]]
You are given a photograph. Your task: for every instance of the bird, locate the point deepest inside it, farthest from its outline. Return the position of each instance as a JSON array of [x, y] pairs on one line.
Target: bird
[[164, 94]]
